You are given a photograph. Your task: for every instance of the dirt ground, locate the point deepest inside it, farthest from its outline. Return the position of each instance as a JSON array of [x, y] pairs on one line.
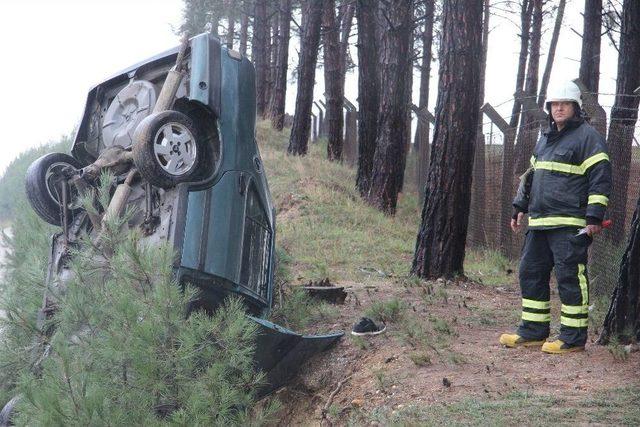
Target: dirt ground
[[378, 372]]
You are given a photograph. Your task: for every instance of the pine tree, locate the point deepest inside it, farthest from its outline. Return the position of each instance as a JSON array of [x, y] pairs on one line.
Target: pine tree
[[123, 350]]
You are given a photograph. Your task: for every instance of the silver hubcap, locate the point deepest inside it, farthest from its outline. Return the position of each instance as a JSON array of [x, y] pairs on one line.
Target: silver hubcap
[[175, 149]]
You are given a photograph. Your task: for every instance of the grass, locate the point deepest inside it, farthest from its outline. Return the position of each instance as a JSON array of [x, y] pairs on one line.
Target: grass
[[325, 230], [616, 407], [489, 267], [298, 311], [387, 311]]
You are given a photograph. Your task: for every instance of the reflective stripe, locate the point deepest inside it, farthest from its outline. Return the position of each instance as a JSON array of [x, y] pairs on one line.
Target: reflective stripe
[[530, 303], [532, 160], [560, 167], [574, 323], [584, 289], [575, 309], [598, 198], [593, 160], [580, 169], [557, 220], [536, 317]]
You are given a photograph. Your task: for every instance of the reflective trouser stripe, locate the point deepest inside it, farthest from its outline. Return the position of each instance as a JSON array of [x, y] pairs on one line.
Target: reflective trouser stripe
[[540, 305], [575, 309], [557, 220], [536, 317], [584, 289], [598, 198], [574, 323]]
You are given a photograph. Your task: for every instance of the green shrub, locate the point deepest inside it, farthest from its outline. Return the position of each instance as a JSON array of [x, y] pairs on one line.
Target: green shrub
[[123, 351], [387, 311]]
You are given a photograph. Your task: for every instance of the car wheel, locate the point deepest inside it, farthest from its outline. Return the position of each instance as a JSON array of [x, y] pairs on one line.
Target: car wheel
[[168, 149], [44, 181]]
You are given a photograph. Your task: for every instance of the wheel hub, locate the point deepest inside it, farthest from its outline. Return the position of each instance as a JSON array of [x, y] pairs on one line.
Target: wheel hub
[[175, 149]]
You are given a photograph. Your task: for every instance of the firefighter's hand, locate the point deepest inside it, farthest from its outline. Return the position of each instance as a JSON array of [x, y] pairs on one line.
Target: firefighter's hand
[[517, 223], [593, 229]]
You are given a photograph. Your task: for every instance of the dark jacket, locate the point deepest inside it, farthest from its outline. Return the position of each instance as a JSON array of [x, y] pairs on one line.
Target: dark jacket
[[570, 181]]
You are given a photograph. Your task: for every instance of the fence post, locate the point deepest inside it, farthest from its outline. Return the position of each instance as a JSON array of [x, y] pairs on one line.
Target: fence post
[[597, 115], [314, 128], [351, 132], [424, 149], [323, 126], [320, 119], [506, 180]]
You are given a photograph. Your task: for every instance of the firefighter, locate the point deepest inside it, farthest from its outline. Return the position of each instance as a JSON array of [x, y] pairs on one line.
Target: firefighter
[[565, 191]]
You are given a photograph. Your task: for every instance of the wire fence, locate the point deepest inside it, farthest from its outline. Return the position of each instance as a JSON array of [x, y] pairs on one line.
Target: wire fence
[[502, 155], [491, 209]]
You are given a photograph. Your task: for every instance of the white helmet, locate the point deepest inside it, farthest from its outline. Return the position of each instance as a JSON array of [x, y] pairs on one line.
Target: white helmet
[[567, 91]]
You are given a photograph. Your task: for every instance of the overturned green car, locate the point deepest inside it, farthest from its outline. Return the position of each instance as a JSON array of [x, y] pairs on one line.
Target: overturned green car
[[178, 133]]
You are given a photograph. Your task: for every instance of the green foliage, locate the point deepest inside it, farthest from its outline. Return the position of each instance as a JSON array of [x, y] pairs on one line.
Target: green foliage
[[21, 290], [387, 311], [12, 194], [123, 351], [298, 310]]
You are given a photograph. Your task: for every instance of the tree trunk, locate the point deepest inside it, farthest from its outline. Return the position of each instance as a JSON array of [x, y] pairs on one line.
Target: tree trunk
[[215, 23], [310, 39], [591, 37], [421, 141], [350, 149], [259, 54], [368, 92], [508, 157], [333, 82], [528, 133], [622, 321], [392, 137], [440, 246], [552, 53], [408, 81], [525, 24], [345, 32], [478, 197], [624, 114], [278, 97], [244, 33], [231, 27], [274, 40]]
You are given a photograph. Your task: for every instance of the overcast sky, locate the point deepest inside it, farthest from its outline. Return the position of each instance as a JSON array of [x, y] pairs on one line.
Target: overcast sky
[[55, 50]]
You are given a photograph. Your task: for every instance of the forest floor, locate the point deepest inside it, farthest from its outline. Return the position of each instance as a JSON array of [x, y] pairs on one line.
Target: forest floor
[[439, 360]]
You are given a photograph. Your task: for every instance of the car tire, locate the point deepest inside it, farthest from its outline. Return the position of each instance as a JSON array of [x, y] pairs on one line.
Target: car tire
[[42, 192], [168, 149]]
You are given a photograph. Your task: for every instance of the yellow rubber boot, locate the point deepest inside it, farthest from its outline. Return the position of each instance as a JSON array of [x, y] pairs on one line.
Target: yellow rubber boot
[[515, 340], [559, 347]]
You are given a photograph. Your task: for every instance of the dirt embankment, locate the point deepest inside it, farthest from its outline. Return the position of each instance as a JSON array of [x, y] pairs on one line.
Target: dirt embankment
[[441, 348]]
